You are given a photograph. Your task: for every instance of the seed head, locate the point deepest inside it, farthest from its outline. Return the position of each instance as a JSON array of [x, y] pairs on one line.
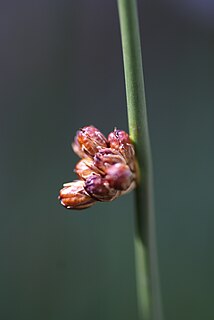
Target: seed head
[[107, 168]]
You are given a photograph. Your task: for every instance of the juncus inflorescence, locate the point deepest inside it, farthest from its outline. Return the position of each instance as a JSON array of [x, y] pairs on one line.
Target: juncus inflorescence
[[107, 168]]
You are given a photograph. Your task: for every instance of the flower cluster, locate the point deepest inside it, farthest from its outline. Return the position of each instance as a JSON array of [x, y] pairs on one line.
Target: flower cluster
[[107, 168]]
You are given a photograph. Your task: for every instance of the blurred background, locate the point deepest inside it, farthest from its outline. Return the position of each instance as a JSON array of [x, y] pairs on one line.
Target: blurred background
[[61, 68]]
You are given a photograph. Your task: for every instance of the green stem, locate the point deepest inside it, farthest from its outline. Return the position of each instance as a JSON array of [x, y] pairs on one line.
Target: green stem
[[148, 291]]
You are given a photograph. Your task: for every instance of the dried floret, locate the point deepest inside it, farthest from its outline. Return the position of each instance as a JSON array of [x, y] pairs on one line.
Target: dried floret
[[98, 188], [119, 176], [119, 140], [74, 196], [88, 141], [85, 168], [107, 157]]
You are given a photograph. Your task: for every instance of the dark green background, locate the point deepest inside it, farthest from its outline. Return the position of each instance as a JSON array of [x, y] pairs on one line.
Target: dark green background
[[61, 68]]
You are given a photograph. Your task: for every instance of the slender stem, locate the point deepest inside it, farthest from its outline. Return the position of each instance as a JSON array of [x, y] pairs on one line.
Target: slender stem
[[148, 292]]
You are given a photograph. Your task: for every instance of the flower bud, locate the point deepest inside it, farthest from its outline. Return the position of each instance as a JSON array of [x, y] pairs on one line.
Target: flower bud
[[107, 157], [119, 140], [119, 176], [98, 188], [74, 196], [85, 168], [128, 153], [88, 141]]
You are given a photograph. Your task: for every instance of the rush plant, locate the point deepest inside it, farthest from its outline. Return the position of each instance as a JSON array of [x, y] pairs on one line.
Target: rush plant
[[112, 166]]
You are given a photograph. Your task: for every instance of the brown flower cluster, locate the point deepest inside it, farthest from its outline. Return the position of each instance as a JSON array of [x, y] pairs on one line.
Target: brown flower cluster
[[107, 168]]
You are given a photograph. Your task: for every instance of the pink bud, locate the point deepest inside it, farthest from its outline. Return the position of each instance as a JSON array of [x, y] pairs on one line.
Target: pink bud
[[98, 188], [119, 176], [107, 157], [117, 138]]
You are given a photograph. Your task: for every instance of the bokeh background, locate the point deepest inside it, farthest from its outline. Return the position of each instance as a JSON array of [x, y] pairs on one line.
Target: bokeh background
[[61, 68]]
